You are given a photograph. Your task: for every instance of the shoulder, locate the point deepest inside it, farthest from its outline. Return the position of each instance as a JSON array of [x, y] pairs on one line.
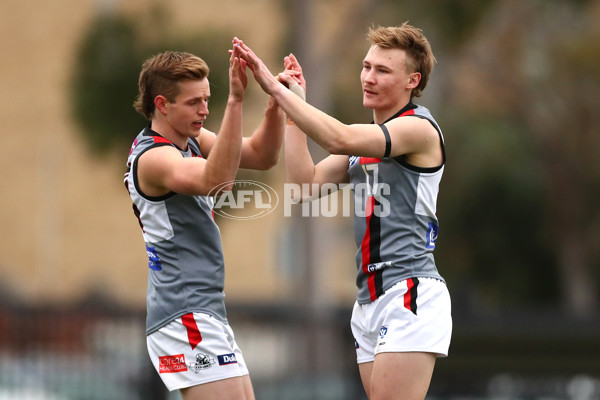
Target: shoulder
[[206, 141], [159, 156], [412, 128]]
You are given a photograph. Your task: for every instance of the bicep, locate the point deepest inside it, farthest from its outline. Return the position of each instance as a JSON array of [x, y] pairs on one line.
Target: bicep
[[332, 169], [408, 135], [365, 140], [164, 169]]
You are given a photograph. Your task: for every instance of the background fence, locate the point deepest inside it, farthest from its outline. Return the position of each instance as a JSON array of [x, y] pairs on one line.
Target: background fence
[[96, 350]]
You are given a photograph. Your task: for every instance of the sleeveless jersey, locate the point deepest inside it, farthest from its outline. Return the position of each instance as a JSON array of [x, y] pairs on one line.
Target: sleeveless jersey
[[395, 223], [183, 243]]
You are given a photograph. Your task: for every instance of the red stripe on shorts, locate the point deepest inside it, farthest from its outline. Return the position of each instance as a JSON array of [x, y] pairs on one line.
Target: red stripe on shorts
[[194, 336], [410, 297]]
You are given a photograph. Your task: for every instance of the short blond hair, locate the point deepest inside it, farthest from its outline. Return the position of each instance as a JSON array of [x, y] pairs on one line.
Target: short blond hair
[[161, 75], [419, 56]]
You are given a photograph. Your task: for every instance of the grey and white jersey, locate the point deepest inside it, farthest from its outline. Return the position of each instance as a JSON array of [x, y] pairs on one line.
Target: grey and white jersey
[[183, 243], [395, 226]]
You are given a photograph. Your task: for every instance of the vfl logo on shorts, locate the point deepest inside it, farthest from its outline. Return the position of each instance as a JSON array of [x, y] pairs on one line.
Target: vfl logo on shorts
[[227, 359], [202, 362], [171, 364], [383, 332]]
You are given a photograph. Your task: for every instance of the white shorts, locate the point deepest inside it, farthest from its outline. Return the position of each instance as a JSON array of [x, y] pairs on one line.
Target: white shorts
[[195, 349], [412, 316]]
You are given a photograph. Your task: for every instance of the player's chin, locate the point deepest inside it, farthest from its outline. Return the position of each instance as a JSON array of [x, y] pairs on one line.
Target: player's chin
[[367, 103]]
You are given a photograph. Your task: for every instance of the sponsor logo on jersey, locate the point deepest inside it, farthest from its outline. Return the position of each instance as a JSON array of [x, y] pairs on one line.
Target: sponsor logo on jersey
[[226, 359], [432, 235], [202, 362], [153, 259], [171, 364], [377, 266]]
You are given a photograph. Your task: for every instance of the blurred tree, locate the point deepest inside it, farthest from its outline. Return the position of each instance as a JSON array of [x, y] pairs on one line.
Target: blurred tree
[[538, 68], [104, 83], [516, 94]]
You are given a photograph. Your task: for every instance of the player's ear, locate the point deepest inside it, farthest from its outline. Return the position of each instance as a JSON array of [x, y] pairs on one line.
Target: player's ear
[[413, 80], [160, 102]]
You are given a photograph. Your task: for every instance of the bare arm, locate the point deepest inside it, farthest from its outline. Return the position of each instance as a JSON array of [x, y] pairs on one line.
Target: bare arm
[[261, 150], [302, 171], [299, 163], [408, 135]]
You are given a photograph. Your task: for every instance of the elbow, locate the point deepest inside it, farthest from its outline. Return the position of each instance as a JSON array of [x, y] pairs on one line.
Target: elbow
[[224, 187], [270, 162], [337, 145], [211, 187], [266, 163], [338, 139], [219, 187]]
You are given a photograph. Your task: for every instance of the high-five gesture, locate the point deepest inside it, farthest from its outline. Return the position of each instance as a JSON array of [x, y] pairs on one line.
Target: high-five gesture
[[238, 79], [293, 77], [262, 74]]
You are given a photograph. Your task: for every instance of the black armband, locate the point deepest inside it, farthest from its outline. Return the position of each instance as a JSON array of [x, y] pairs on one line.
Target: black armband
[[388, 141]]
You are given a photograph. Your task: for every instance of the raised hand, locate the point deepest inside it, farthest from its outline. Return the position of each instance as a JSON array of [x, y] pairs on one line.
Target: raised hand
[[262, 74], [238, 79], [292, 76]]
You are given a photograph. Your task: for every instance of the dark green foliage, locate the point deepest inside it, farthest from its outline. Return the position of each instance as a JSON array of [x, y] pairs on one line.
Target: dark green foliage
[[104, 85], [491, 218]]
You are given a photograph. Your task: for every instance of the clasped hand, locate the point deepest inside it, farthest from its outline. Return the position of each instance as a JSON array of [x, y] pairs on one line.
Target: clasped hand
[[291, 77]]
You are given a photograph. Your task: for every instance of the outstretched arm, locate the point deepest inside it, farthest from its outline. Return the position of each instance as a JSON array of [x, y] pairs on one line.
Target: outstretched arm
[[328, 132], [413, 137]]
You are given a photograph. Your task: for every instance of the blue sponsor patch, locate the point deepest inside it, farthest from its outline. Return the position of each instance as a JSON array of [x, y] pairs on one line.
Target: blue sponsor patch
[[153, 260], [227, 359], [432, 235]]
